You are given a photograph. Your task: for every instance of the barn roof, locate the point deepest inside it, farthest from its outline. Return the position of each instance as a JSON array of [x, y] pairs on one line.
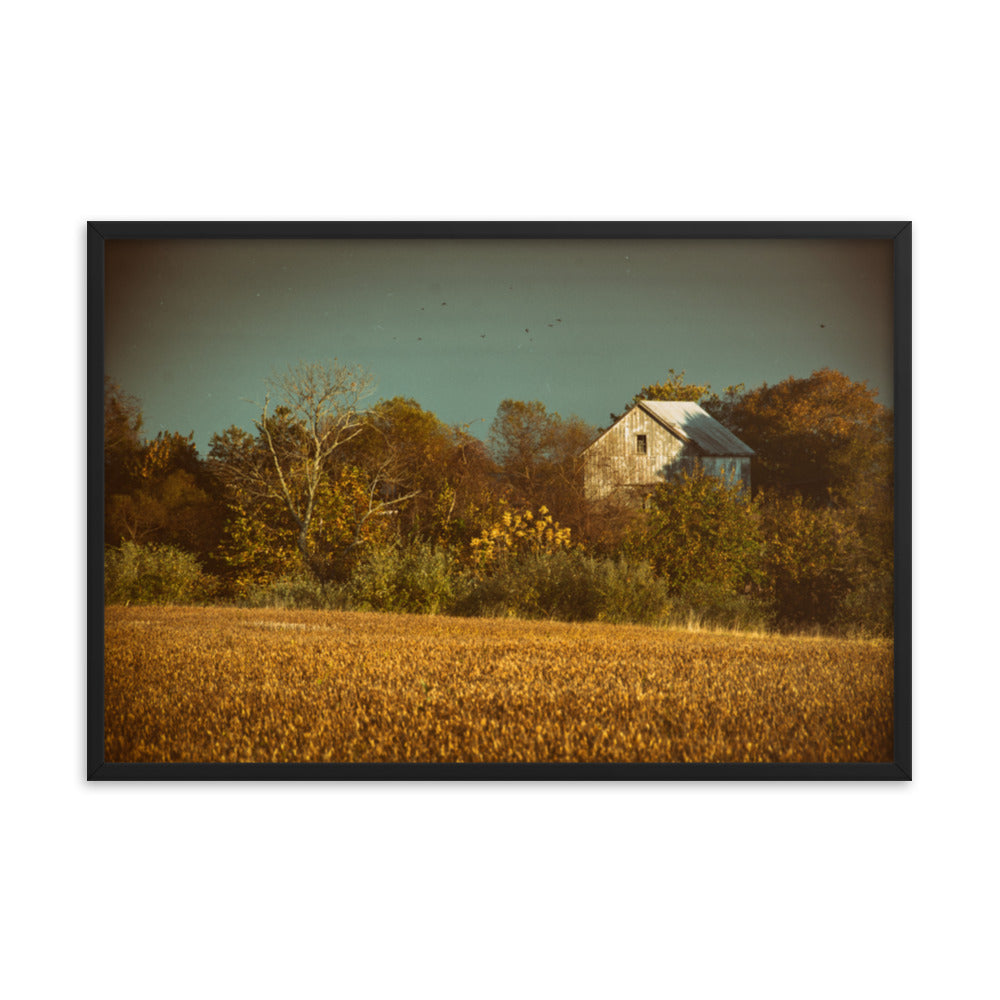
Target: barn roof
[[691, 423]]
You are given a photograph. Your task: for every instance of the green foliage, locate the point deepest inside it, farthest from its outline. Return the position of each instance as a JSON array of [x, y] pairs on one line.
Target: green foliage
[[414, 577], [671, 388], [300, 513], [154, 574], [629, 592], [569, 586], [701, 531], [537, 585], [867, 610], [296, 591], [812, 560], [261, 540]]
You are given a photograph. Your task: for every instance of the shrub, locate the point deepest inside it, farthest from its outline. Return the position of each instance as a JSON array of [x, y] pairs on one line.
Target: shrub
[[868, 609], [295, 592], [568, 586], [812, 560], [532, 586], [630, 592], [414, 577], [701, 531], [154, 574], [518, 533], [711, 606]]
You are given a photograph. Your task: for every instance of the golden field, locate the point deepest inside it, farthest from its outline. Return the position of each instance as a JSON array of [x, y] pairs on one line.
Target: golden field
[[227, 684]]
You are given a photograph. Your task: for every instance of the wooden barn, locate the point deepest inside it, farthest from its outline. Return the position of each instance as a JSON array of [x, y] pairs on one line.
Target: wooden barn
[[656, 440]]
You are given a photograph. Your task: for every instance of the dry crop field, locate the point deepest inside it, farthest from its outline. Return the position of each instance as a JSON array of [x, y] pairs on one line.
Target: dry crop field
[[226, 684]]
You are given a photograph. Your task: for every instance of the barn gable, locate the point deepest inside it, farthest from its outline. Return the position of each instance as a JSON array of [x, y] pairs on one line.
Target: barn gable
[[656, 440]]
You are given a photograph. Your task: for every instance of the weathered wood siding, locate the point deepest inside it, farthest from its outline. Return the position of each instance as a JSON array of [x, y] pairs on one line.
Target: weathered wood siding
[[613, 462]]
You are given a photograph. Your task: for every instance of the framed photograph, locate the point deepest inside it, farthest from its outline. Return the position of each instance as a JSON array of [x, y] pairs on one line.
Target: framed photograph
[[499, 501]]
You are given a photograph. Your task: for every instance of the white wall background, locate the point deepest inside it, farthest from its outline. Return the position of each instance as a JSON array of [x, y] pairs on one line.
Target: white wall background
[[536, 110]]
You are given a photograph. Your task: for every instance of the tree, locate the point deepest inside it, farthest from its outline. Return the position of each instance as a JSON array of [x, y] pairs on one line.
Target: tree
[[539, 454], [823, 471], [292, 465], [670, 389], [155, 491], [813, 559], [169, 498], [408, 451], [722, 407], [122, 424], [701, 532], [521, 438], [260, 540], [824, 437], [468, 498]]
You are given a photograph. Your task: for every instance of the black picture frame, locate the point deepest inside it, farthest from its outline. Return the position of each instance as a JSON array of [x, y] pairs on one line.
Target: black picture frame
[[900, 768]]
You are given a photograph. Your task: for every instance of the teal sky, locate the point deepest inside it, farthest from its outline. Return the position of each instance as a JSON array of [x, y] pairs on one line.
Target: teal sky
[[193, 327]]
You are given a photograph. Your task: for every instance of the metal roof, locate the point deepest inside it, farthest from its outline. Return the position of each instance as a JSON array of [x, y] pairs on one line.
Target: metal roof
[[691, 423]]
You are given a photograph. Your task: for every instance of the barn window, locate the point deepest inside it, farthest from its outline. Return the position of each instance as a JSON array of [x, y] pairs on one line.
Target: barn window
[[640, 444]]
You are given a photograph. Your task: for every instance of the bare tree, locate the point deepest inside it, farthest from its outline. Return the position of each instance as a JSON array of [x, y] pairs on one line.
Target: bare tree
[[308, 413], [319, 412]]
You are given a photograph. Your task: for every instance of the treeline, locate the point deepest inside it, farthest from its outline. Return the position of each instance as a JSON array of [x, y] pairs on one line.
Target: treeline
[[331, 502]]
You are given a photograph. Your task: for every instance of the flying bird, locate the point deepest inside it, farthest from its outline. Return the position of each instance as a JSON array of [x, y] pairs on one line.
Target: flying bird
[[822, 326]]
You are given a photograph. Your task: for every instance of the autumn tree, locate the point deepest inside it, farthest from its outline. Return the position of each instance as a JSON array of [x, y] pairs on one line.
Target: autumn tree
[[122, 441], [470, 494], [670, 389], [156, 491], [170, 500], [814, 559], [260, 540], [309, 416], [701, 532], [522, 436], [822, 437], [407, 449], [823, 466], [539, 454]]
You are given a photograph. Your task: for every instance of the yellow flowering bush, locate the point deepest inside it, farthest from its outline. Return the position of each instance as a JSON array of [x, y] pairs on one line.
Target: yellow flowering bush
[[518, 532]]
